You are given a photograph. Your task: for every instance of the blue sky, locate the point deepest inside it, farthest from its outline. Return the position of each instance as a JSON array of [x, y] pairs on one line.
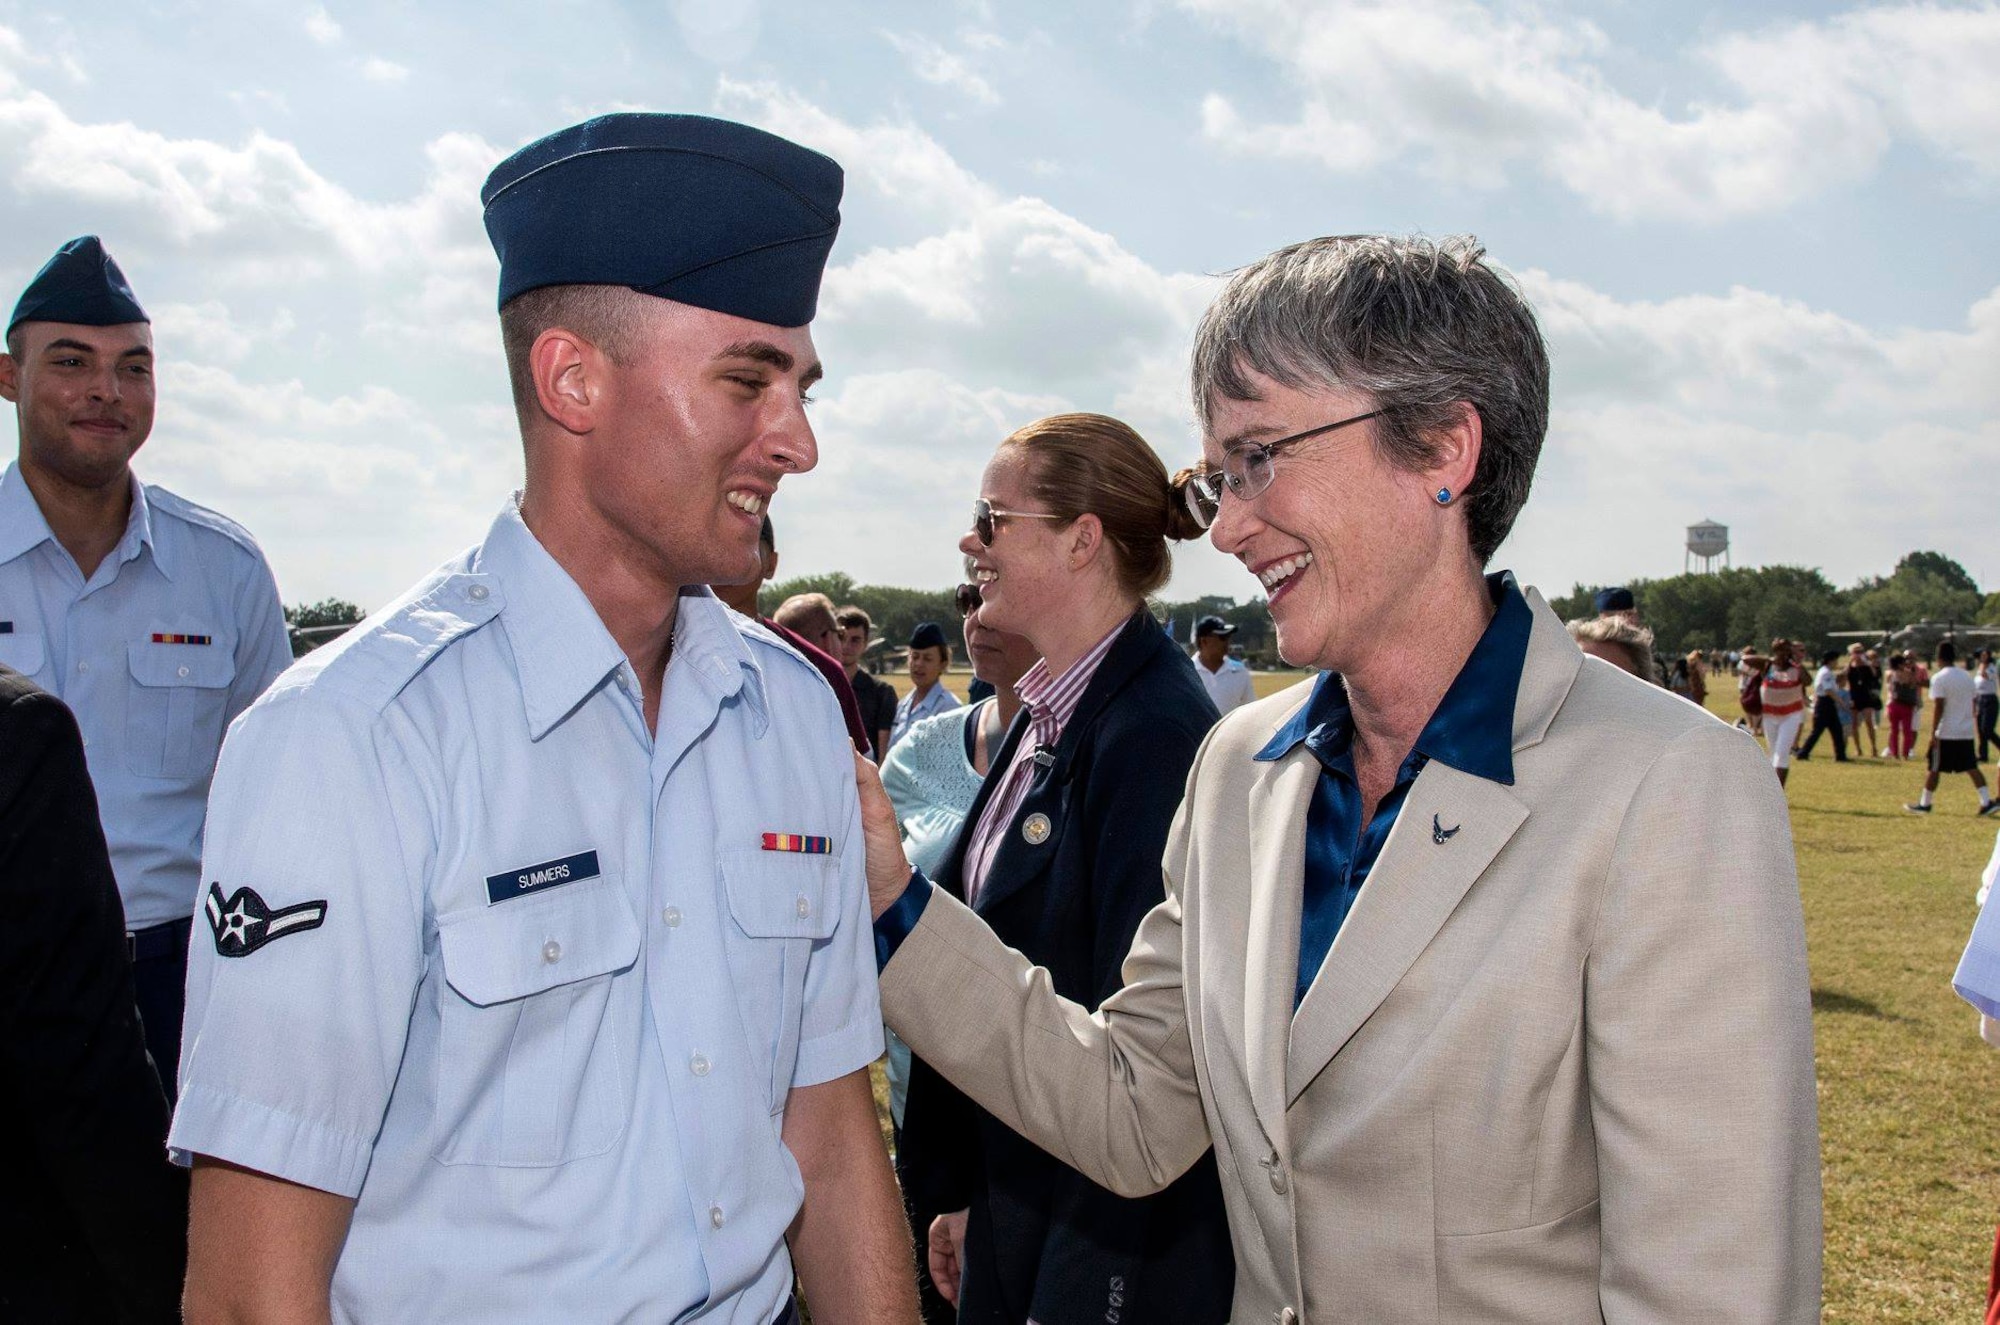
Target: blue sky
[[1763, 249]]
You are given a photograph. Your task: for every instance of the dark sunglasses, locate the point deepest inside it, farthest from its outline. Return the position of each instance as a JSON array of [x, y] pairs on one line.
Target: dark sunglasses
[[985, 516], [967, 598]]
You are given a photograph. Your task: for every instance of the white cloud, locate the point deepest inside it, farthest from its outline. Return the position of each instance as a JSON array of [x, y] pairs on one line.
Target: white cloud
[[321, 27], [378, 70], [1475, 94], [935, 65]]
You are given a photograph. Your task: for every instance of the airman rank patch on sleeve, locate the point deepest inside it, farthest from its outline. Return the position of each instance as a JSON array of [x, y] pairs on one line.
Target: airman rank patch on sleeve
[[244, 923], [811, 846]]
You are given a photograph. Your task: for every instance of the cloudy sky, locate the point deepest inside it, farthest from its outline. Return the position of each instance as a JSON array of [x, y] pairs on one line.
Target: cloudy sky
[[1763, 251]]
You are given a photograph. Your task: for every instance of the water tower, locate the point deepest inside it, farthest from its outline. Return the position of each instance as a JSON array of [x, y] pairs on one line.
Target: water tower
[[1707, 547]]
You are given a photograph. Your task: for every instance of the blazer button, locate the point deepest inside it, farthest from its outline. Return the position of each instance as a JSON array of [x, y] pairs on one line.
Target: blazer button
[[1278, 1181], [1285, 1317]]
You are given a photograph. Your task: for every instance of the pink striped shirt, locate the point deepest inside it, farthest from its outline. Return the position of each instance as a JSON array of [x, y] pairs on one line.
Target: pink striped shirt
[[1050, 701]]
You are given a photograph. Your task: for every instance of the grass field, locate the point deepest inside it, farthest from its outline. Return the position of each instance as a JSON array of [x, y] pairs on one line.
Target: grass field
[[1912, 1169]]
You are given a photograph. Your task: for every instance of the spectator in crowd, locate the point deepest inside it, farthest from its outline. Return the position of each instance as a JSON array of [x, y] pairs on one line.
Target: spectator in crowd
[[1697, 673], [932, 777], [1783, 694], [1541, 1053], [156, 620], [1864, 694], [929, 656], [1952, 744], [743, 598], [806, 622], [876, 699], [1905, 693], [1826, 710], [1225, 678], [1750, 669], [1060, 857], [1618, 640], [93, 1219], [1985, 703]]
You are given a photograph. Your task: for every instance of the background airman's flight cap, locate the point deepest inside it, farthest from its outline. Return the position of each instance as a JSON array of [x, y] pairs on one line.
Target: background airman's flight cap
[[82, 285], [693, 209], [928, 635]]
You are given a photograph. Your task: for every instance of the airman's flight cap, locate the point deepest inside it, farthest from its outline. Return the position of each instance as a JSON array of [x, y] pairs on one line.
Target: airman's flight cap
[[80, 285], [693, 209]]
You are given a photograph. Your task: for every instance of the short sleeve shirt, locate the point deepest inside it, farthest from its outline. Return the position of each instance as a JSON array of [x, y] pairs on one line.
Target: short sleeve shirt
[[530, 982], [1231, 687], [171, 637], [1954, 685], [910, 709]]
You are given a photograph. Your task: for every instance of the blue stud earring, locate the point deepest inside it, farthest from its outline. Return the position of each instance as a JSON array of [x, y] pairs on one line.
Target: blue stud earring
[[1444, 497]]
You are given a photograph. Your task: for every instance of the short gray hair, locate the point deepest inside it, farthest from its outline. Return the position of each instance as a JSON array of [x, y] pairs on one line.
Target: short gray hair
[[1636, 640], [1421, 325]]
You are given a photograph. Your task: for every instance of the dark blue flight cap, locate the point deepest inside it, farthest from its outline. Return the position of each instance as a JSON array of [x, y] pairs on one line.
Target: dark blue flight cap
[[697, 210], [1614, 600], [82, 285], [928, 635]]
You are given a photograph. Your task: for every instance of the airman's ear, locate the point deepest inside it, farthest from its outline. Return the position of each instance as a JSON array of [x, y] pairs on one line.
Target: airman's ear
[[10, 377], [570, 375]]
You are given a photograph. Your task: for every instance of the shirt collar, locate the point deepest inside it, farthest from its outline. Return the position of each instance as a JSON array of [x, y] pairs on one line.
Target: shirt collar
[[23, 527], [1473, 727], [562, 652], [1051, 700]]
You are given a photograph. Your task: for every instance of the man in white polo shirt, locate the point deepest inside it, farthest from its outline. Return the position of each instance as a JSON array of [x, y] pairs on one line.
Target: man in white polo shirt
[[1952, 732], [1226, 680]]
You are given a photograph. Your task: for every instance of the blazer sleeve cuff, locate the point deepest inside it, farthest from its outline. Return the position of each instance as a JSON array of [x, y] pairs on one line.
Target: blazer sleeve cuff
[[902, 916]]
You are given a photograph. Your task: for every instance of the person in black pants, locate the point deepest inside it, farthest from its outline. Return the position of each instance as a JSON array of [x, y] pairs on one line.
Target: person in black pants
[[1985, 704], [1826, 710], [93, 1219]]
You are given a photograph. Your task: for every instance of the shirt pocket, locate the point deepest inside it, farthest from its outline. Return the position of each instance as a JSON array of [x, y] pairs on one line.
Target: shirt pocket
[[175, 707], [780, 904], [530, 1073], [22, 651]]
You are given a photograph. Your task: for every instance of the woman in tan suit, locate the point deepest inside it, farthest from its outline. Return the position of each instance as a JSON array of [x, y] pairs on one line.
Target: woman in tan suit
[[1481, 964]]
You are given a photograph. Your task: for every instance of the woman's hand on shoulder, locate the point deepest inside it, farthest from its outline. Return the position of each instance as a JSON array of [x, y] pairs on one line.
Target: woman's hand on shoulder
[[888, 867]]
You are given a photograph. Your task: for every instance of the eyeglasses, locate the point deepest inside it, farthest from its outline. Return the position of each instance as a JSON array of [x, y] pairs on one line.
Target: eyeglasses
[[1247, 470], [985, 515], [968, 599]]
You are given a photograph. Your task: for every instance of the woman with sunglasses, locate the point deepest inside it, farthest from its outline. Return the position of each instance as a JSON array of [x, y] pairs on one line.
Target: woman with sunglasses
[[1482, 970], [1059, 858]]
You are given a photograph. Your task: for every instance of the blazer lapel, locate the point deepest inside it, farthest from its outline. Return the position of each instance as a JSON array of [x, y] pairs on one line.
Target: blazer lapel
[[1415, 885], [1279, 799]]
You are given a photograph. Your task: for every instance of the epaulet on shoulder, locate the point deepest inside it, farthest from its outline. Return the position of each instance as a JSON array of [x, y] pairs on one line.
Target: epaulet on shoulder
[[172, 503], [373, 662]]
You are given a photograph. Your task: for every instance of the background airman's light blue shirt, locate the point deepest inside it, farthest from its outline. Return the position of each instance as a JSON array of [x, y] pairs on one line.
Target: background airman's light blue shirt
[[545, 1028], [171, 637], [910, 709]]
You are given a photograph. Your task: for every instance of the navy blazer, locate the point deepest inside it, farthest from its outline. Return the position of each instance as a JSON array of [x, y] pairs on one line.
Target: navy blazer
[[1044, 1242], [93, 1219]]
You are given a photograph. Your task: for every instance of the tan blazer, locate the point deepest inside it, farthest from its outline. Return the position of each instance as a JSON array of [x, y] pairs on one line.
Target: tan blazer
[[1556, 1068]]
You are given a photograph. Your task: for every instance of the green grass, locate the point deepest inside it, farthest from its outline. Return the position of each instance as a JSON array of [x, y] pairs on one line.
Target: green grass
[[1906, 1087]]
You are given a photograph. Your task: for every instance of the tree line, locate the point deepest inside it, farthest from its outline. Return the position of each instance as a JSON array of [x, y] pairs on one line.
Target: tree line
[[1720, 611]]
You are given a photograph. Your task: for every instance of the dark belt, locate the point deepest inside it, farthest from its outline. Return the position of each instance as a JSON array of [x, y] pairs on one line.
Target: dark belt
[[789, 1316], [168, 940]]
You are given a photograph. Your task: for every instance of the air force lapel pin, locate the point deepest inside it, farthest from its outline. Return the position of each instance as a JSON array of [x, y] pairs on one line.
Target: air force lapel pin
[[1440, 834], [1035, 829], [243, 922]]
